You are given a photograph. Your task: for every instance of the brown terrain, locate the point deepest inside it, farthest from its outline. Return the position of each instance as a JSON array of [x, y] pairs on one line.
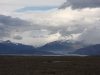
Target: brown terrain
[[49, 65]]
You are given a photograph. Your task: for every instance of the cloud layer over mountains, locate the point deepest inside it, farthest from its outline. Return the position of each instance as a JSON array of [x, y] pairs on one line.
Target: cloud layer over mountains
[[75, 19]]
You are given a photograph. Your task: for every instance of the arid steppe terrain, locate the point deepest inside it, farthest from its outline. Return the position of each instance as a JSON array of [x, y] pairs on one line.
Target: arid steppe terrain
[[49, 65]]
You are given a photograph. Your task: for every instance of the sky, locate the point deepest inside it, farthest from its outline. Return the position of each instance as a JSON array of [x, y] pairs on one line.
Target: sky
[[37, 22]]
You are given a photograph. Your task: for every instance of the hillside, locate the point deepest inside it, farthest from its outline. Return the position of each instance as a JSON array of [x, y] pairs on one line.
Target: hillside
[[8, 47], [61, 46], [90, 50]]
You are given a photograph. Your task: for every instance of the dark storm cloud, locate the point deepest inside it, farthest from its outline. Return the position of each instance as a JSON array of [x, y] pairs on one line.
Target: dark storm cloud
[[9, 21], [9, 24], [79, 4]]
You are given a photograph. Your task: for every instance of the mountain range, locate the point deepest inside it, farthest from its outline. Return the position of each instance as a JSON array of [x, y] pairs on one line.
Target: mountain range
[[76, 47], [8, 47], [62, 46]]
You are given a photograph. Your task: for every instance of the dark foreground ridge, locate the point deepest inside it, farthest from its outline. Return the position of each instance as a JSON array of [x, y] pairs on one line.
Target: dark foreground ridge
[[61, 65]]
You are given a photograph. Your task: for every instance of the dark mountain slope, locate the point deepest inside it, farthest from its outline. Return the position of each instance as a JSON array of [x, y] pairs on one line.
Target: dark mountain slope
[[90, 50], [61, 45], [7, 47]]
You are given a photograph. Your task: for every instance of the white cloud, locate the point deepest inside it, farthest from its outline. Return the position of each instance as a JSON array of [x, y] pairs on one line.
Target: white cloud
[[8, 9], [33, 2], [34, 41], [67, 22], [90, 36], [17, 37]]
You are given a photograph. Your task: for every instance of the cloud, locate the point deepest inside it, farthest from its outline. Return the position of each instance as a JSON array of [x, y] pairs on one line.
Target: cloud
[[9, 21], [80, 4], [32, 2], [90, 36], [8, 7], [9, 25], [17, 37], [66, 22], [40, 36]]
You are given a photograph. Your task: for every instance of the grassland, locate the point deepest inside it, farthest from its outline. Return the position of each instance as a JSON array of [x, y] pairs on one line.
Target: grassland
[[45, 65]]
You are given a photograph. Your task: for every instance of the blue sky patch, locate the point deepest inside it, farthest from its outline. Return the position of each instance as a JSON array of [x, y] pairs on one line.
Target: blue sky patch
[[35, 8]]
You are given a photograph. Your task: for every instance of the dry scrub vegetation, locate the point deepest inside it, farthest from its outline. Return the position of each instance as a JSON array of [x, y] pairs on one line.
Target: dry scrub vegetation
[[45, 65]]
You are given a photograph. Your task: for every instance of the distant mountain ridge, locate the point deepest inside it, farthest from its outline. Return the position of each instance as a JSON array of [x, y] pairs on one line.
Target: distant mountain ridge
[[62, 45], [8, 47], [90, 50], [17, 46]]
